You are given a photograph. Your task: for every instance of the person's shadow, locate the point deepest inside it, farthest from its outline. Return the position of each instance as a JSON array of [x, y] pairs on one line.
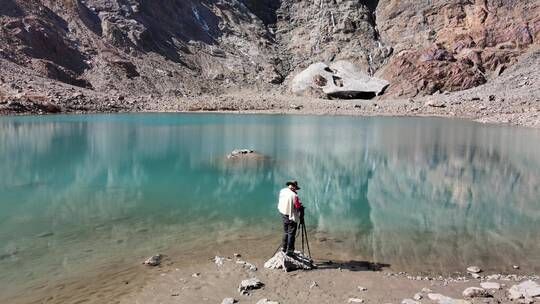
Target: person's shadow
[[350, 265]]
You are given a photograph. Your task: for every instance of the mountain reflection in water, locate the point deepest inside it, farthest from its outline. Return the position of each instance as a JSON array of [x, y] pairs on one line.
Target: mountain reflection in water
[[416, 193]]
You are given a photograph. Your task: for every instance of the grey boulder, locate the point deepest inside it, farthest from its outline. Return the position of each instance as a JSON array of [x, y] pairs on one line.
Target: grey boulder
[[282, 261]]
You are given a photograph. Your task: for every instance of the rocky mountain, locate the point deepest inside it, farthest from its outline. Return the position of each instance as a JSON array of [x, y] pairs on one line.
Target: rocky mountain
[[179, 48]]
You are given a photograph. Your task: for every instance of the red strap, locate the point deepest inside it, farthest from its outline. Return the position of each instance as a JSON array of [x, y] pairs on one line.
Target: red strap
[[297, 203]]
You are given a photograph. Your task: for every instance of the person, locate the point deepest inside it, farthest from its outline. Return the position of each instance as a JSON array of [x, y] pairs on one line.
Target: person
[[291, 211]]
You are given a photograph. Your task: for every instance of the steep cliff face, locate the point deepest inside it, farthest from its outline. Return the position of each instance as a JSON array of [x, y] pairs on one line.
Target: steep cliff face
[[188, 47]]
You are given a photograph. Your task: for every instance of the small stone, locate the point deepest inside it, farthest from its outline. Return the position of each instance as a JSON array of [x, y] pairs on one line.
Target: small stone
[[154, 260], [361, 288], [490, 285], [493, 277], [237, 255], [228, 301], [196, 275], [266, 301], [474, 269], [313, 285], [475, 275], [248, 285], [409, 301], [426, 290], [418, 296], [475, 292], [515, 267], [219, 260], [355, 300]]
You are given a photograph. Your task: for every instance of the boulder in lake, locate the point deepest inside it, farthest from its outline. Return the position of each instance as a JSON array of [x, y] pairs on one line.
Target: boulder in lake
[[154, 260], [245, 153], [342, 80], [288, 263], [246, 286]]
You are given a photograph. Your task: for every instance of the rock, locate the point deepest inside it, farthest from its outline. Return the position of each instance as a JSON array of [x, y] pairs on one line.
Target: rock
[[361, 288], [527, 289], [475, 275], [245, 153], [219, 260], [196, 275], [474, 269], [313, 285], [281, 261], [441, 299], [228, 301], [493, 277], [342, 79], [475, 292], [490, 285], [434, 104], [515, 267], [248, 285], [247, 265], [418, 296], [154, 260], [355, 300], [409, 301], [266, 301]]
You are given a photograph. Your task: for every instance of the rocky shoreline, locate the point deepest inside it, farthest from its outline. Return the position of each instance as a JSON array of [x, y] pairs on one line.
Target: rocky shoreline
[[229, 280], [513, 98]]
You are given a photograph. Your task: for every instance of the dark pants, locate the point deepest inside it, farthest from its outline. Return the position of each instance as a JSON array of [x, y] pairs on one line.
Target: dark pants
[[289, 234]]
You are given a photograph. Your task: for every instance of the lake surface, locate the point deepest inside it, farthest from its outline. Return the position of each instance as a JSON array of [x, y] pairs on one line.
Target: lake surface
[[421, 194]]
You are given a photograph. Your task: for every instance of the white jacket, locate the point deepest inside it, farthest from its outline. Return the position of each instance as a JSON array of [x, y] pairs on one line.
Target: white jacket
[[286, 204]]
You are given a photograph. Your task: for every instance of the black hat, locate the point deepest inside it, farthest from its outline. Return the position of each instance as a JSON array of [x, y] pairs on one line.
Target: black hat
[[294, 183]]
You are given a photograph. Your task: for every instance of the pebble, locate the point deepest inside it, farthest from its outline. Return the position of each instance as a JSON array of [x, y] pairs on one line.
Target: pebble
[[154, 260], [418, 296], [355, 300], [228, 301], [266, 301], [249, 284], [219, 260], [475, 292], [409, 301], [195, 275], [361, 288], [490, 285], [474, 269]]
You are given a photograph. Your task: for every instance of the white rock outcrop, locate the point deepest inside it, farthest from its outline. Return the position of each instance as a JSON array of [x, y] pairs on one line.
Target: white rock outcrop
[[342, 79]]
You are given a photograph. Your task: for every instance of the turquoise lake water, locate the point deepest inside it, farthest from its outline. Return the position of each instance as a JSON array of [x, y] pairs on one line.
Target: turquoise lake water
[[415, 193]]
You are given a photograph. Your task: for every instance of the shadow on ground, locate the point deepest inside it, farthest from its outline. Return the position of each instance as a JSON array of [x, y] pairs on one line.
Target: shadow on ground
[[351, 265]]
